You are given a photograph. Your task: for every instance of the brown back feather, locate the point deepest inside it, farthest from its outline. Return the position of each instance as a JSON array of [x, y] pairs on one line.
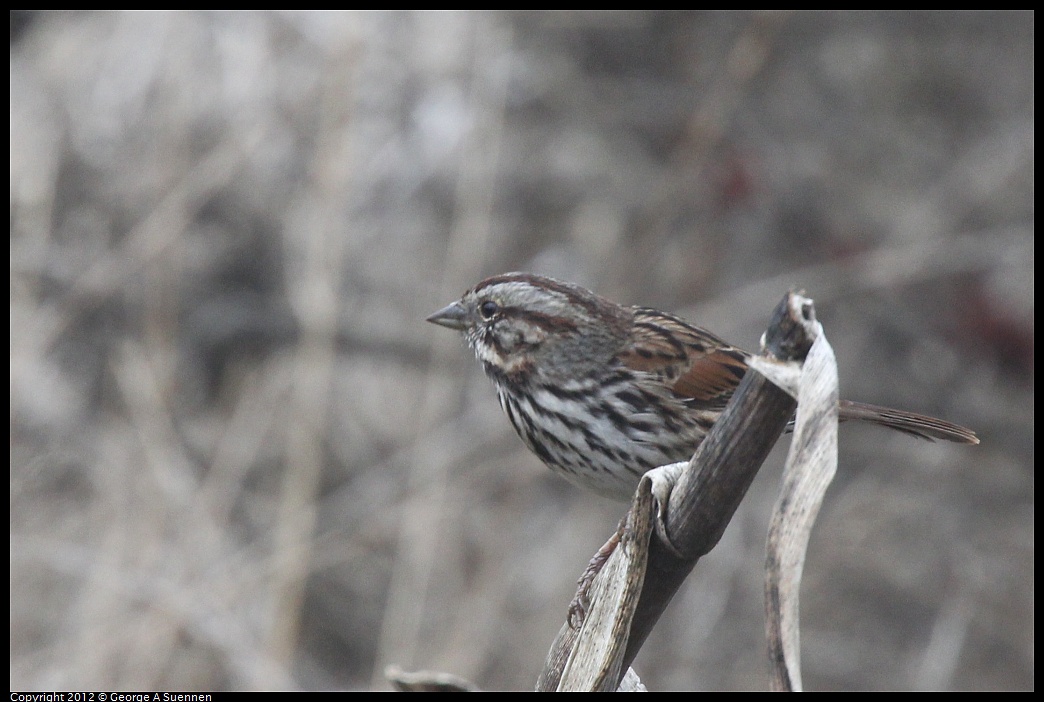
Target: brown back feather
[[704, 369]]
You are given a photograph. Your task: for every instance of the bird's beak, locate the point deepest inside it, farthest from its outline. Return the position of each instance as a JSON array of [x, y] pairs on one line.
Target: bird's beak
[[453, 316]]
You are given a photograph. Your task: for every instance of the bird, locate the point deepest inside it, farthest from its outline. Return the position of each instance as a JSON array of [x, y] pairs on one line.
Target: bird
[[602, 392]]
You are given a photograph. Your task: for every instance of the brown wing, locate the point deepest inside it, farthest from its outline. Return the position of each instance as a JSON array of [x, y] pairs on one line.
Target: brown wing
[[704, 371], [698, 366]]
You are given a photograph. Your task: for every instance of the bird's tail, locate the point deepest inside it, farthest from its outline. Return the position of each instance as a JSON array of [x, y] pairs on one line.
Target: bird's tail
[[910, 422]]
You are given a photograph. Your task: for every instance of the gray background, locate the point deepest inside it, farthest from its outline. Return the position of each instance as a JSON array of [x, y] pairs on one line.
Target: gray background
[[241, 460]]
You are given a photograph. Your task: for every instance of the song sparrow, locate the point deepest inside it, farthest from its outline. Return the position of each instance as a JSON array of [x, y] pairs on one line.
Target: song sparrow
[[603, 393]]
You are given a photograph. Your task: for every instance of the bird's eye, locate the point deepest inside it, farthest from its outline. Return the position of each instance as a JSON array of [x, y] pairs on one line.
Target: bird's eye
[[488, 308]]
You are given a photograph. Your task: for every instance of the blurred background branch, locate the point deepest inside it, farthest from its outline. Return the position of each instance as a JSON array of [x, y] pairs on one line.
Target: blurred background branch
[[240, 458]]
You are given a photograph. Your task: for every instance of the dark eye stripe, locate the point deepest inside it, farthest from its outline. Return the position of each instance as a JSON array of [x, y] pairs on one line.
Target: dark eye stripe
[[539, 319], [576, 295]]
